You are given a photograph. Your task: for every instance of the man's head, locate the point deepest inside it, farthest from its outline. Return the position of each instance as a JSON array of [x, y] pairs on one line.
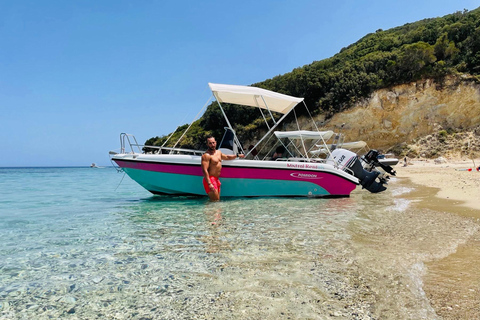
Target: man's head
[[211, 143]]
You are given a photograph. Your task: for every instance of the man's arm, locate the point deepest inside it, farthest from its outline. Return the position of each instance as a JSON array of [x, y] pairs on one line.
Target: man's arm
[[232, 156], [205, 165]]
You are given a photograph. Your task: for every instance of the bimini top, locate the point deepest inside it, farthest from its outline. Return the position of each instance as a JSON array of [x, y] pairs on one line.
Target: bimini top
[[304, 134], [345, 145], [348, 145], [254, 97]]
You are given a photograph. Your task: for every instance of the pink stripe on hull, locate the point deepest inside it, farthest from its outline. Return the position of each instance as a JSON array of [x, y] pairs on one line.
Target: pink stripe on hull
[[332, 183], [193, 170]]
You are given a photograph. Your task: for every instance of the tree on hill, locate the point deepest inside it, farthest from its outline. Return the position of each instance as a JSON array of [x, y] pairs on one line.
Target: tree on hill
[[430, 48]]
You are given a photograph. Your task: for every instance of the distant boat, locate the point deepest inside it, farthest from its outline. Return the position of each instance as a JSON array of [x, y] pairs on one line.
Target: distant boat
[[94, 165], [388, 159]]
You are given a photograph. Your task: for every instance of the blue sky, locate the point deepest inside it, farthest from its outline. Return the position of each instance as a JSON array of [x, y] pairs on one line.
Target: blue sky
[[75, 74]]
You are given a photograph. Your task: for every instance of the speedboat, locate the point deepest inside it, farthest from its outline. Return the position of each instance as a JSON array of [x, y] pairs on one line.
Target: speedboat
[[177, 171], [388, 159], [382, 162]]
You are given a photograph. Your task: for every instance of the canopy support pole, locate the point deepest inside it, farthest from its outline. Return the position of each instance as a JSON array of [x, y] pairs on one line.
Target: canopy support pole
[[301, 138], [229, 124], [271, 129], [264, 119], [187, 128], [266, 105], [316, 128]]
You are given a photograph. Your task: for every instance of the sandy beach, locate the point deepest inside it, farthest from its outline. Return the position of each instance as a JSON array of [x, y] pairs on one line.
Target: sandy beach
[[452, 284], [452, 178]]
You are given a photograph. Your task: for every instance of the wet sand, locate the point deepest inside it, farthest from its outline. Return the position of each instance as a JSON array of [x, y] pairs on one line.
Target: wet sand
[[452, 284], [452, 179]]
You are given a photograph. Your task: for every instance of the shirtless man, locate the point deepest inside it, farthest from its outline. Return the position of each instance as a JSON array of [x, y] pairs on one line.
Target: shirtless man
[[211, 167]]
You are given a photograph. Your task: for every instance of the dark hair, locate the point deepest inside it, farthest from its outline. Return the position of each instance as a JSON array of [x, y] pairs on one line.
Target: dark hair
[[209, 136]]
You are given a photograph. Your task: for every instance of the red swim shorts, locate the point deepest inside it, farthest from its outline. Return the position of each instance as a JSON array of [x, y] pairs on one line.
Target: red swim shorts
[[216, 184]]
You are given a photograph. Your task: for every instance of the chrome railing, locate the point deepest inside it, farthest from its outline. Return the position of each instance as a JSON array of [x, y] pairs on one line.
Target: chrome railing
[[129, 139], [129, 144], [168, 150]]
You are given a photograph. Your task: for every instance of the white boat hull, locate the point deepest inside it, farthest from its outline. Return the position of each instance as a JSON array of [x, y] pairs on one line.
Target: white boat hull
[[182, 175]]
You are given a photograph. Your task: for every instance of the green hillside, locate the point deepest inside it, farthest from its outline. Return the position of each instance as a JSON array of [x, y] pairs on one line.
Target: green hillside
[[430, 48]]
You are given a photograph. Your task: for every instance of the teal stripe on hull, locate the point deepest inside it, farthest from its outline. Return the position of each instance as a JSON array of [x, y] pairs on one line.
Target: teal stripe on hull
[[159, 182], [263, 187], [167, 182]]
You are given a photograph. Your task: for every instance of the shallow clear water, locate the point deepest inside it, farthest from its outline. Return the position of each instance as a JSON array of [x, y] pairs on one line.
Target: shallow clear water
[[90, 243]]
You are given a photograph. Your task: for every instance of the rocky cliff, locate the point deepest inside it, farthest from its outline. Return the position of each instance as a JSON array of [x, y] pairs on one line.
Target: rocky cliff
[[425, 118]]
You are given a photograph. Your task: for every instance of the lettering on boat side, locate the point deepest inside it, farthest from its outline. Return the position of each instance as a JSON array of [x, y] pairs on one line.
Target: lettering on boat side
[[302, 165], [305, 176]]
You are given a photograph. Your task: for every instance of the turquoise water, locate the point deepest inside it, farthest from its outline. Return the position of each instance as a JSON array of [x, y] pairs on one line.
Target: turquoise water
[[86, 243]]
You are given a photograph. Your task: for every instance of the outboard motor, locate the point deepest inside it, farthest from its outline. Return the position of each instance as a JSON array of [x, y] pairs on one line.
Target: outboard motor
[[349, 162], [371, 158]]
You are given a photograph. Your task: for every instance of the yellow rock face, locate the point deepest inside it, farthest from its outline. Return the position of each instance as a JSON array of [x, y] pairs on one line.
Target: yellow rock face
[[406, 112]]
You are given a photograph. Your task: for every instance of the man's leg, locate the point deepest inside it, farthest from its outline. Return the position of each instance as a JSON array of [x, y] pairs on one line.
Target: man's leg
[[214, 195]]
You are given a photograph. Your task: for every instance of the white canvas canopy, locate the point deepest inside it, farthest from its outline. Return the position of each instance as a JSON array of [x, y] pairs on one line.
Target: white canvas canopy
[[345, 145], [304, 134], [349, 145], [254, 97]]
